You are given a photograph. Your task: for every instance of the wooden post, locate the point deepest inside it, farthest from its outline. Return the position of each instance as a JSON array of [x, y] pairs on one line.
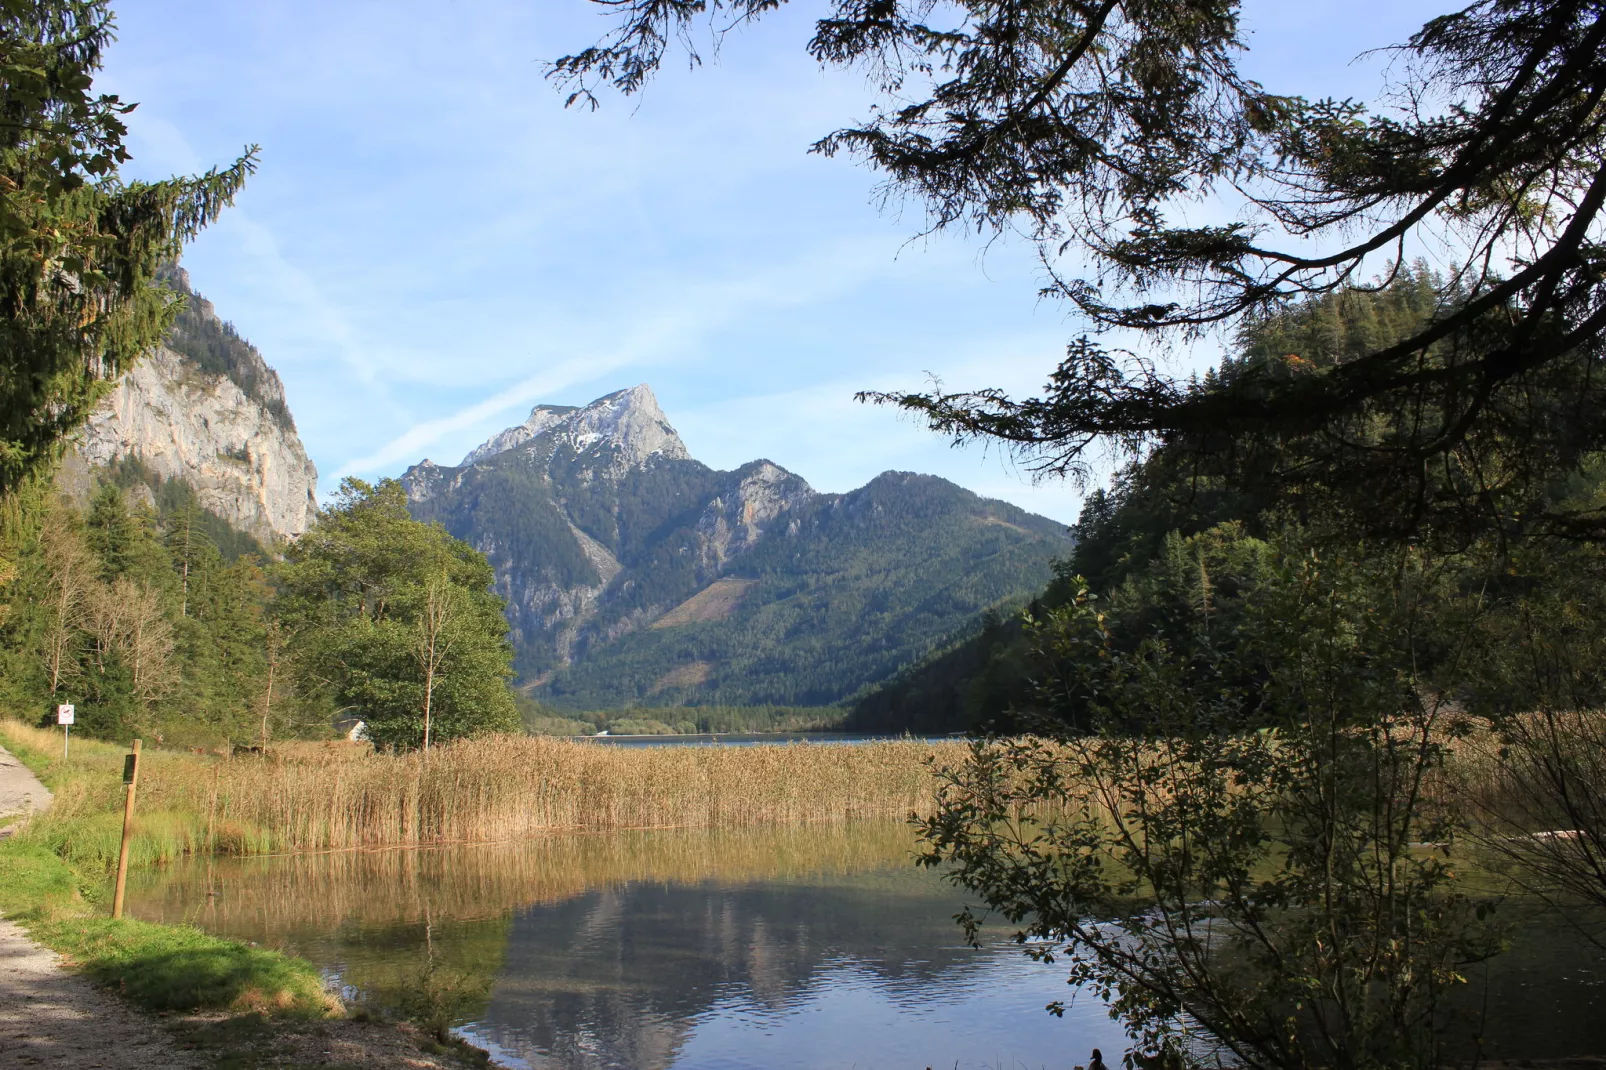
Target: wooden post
[[130, 778]]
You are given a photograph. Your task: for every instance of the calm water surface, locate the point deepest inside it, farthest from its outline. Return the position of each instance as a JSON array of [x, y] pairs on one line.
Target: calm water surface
[[740, 739], [802, 948]]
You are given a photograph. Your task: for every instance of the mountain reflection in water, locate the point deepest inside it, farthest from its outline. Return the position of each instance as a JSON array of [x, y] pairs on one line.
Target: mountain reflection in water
[[772, 974], [811, 947]]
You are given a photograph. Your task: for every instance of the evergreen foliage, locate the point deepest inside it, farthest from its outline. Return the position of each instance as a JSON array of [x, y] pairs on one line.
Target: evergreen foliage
[[136, 619], [213, 347], [1130, 532], [1095, 127], [175, 503], [79, 247], [134, 614]]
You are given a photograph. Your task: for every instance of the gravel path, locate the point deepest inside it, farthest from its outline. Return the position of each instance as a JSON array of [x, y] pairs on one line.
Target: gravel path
[[52, 1018], [20, 790]]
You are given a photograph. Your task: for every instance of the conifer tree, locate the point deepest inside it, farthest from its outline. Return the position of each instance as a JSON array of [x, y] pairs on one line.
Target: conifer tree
[[79, 246], [1094, 126]]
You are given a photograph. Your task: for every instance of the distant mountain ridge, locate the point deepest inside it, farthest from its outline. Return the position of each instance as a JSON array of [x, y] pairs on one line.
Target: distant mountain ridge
[[629, 420], [635, 574]]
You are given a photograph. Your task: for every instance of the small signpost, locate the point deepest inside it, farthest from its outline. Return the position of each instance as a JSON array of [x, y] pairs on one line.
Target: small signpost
[[64, 716], [131, 779]]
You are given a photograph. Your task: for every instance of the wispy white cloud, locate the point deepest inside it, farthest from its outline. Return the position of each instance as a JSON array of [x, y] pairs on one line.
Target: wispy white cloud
[[684, 317], [416, 440], [162, 148], [305, 297]]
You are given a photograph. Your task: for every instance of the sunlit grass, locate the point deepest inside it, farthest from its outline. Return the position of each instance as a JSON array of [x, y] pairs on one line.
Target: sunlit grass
[[161, 967], [317, 797]]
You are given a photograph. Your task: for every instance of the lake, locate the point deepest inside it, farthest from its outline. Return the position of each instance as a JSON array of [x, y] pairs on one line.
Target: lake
[[800, 948], [747, 739], [797, 948]]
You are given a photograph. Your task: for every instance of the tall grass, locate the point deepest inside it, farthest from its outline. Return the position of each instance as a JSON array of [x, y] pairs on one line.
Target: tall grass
[[309, 798]]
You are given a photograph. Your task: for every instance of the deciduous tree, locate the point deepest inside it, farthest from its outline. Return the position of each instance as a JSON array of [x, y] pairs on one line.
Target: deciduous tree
[[396, 621], [1235, 859]]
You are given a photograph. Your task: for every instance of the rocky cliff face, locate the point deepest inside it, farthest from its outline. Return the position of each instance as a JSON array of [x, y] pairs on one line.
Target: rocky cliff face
[[734, 522], [577, 507], [207, 410], [634, 573]]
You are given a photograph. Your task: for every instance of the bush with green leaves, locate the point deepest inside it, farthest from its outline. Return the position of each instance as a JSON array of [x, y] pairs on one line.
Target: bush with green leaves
[[1240, 849]]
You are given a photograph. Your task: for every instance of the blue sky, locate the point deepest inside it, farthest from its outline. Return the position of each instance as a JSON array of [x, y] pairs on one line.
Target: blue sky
[[434, 244]]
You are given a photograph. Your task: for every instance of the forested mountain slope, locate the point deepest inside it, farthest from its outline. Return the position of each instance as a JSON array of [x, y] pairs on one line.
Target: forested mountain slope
[[1121, 537], [636, 574]]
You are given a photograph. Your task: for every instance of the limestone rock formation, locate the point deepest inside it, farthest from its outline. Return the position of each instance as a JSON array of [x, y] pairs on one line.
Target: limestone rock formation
[[634, 573], [629, 421], [207, 410]]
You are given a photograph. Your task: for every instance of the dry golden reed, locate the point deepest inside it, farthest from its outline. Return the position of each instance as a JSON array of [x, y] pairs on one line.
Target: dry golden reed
[[304, 798]]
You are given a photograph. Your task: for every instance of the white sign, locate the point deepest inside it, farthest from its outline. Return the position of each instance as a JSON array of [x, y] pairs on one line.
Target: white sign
[[64, 714]]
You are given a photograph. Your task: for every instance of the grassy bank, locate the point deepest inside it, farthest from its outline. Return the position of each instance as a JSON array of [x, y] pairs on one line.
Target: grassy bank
[[314, 797], [238, 1004], [57, 886], [159, 967]]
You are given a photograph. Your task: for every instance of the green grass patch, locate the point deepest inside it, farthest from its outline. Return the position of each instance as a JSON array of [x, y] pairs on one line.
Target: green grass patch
[[181, 968], [160, 967], [34, 881], [55, 876]]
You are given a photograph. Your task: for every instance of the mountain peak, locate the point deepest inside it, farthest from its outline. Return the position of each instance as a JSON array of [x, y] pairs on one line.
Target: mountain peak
[[628, 420]]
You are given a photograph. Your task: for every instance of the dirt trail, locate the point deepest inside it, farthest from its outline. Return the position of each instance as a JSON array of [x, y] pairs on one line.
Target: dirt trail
[[20, 790], [48, 1016], [52, 1018]]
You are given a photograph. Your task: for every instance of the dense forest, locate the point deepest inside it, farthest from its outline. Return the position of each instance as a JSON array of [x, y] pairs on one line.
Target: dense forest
[[137, 618], [137, 613], [1187, 525]]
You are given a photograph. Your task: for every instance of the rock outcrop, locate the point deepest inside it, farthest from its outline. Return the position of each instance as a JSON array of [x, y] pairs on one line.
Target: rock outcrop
[[598, 483], [633, 572], [628, 421], [205, 409], [735, 521]]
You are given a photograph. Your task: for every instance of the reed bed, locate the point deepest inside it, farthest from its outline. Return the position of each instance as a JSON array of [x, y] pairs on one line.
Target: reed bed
[[321, 798]]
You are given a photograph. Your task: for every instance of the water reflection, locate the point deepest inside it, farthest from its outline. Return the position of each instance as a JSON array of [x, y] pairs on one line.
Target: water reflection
[[795, 948], [810, 947], [773, 974]]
